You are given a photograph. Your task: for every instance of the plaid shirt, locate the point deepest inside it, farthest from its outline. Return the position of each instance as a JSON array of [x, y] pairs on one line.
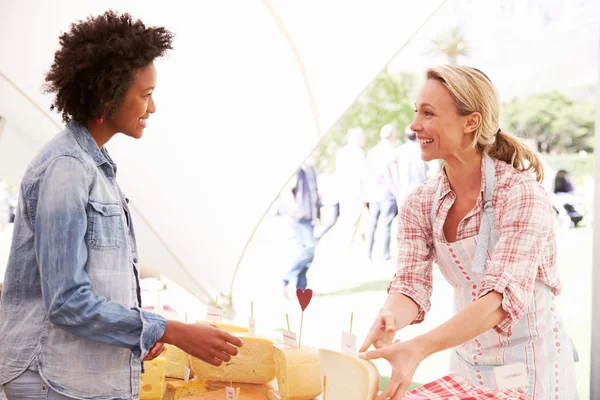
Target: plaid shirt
[[526, 251], [453, 387]]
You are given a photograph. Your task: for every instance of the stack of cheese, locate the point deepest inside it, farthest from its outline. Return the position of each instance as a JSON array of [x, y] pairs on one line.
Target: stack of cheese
[[164, 377], [262, 371]]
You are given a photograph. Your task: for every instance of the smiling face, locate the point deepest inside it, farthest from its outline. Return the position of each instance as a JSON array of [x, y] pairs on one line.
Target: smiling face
[[132, 114], [441, 131]]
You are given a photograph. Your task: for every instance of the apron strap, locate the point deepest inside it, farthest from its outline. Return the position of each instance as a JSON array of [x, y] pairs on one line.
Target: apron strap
[[487, 219]]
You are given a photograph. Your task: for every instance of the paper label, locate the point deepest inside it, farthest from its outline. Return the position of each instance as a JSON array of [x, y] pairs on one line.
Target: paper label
[[289, 339], [348, 344], [511, 376], [252, 326], [186, 374], [214, 314], [229, 393]]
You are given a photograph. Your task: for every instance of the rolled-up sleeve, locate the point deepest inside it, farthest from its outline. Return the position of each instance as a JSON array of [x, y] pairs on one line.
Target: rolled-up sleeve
[[413, 277], [526, 223], [62, 255]]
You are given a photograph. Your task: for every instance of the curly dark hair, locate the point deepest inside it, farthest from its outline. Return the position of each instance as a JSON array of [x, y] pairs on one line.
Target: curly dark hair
[[94, 67]]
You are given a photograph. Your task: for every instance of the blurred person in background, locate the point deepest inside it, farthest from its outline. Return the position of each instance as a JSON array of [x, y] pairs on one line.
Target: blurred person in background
[[299, 203], [379, 196], [408, 170], [488, 224], [349, 177], [330, 205], [71, 319]]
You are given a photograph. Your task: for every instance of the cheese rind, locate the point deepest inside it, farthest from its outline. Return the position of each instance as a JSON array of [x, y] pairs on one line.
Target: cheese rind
[[152, 380], [245, 394], [254, 363], [177, 360], [298, 373], [348, 377], [177, 389], [225, 326]]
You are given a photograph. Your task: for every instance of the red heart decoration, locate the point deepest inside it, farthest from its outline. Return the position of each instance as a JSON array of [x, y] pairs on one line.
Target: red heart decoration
[[304, 297]]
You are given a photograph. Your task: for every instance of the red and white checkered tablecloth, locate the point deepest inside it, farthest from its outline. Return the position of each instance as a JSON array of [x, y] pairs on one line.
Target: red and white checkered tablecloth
[[453, 387]]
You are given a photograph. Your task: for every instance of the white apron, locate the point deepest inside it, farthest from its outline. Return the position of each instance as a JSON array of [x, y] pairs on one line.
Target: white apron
[[538, 339]]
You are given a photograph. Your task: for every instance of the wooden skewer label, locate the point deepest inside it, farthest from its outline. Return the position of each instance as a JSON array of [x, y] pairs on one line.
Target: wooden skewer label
[[289, 339], [186, 374], [348, 344], [252, 326], [229, 393], [214, 314]]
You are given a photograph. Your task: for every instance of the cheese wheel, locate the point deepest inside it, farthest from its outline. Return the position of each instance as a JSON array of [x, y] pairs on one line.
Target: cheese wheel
[[348, 377], [177, 389], [152, 383], [245, 394], [254, 363], [177, 360], [215, 385], [225, 326], [298, 373]]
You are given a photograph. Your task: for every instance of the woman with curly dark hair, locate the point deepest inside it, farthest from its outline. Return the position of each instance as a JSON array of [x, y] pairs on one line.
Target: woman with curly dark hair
[[71, 322]]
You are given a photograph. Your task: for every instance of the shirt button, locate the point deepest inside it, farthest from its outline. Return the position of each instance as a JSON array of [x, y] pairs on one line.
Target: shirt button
[[135, 260]]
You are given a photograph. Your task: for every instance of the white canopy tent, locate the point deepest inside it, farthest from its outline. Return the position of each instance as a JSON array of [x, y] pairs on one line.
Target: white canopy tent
[[244, 97], [247, 93]]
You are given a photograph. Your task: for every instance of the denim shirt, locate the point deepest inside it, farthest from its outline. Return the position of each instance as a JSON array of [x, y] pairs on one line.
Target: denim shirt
[[70, 305]]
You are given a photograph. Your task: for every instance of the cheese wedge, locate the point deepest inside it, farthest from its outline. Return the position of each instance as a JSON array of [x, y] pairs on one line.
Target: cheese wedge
[[177, 360], [225, 326], [177, 389], [348, 378], [216, 385], [254, 363], [152, 383], [298, 373], [245, 394]]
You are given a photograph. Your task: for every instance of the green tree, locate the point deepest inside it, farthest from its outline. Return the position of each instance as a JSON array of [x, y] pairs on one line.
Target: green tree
[[554, 121], [387, 100]]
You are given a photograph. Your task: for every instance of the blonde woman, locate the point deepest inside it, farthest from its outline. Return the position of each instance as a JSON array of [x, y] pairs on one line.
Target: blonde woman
[[488, 224]]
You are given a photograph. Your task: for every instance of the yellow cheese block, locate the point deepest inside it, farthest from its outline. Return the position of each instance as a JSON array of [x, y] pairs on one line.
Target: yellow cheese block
[[245, 394], [298, 373], [152, 381], [225, 326], [348, 378], [177, 360], [216, 385], [177, 389], [254, 363]]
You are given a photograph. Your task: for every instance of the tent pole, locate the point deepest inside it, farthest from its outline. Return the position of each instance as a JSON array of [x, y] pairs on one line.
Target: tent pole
[[595, 355]]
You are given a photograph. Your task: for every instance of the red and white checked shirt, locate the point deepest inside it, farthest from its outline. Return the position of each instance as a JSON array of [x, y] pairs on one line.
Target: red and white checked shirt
[[525, 252]]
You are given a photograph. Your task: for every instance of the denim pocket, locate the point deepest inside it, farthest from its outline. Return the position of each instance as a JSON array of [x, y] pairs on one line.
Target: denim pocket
[[105, 226]]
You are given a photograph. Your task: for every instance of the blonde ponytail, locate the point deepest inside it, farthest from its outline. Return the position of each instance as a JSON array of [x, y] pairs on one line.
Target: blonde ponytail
[[510, 150]]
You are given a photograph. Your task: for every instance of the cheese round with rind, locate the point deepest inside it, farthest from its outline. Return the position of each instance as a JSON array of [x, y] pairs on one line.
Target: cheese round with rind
[[298, 373], [254, 363]]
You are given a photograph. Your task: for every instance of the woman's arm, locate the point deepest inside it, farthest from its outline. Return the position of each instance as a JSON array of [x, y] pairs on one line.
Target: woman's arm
[[473, 320]]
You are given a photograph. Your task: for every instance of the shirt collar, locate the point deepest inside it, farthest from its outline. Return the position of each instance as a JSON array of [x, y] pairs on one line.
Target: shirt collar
[[89, 145], [446, 183]]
